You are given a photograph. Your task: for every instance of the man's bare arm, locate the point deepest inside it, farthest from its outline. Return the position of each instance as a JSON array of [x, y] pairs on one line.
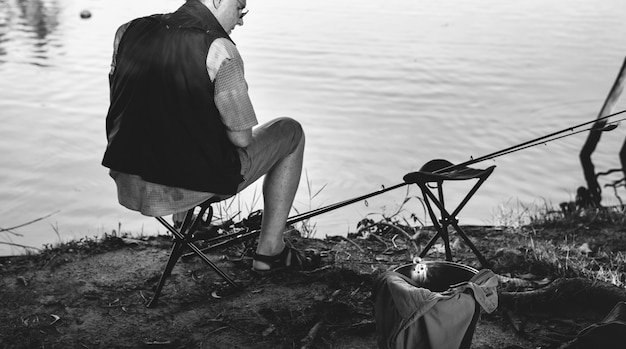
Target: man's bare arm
[[241, 138]]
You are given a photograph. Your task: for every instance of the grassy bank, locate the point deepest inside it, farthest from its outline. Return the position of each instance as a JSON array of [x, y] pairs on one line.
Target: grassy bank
[[90, 293]]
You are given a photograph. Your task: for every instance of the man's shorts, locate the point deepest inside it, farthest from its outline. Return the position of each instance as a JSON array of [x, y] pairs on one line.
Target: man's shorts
[[273, 141]]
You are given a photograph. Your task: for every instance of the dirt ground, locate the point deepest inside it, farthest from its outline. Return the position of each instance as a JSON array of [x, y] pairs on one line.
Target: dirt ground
[[92, 295]]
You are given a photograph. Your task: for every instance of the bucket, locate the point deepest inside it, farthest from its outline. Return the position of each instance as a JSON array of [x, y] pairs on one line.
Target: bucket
[[436, 276]]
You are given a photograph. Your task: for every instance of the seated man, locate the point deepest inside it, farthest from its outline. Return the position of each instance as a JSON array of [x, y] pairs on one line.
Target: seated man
[[178, 95]]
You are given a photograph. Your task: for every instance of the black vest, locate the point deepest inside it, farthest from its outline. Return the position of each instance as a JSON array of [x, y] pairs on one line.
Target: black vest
[[162, 123]]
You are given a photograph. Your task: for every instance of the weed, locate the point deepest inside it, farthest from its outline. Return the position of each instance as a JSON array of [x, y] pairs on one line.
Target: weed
[[306, 228], [585, 242]]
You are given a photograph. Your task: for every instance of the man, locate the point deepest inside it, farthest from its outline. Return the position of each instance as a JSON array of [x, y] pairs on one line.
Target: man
[[178, 95]]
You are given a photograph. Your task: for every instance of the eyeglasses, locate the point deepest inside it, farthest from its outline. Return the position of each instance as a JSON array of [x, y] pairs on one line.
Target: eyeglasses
[[243, 13]]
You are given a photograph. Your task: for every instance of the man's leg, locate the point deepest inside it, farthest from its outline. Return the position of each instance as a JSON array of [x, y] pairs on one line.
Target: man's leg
[[277, 152], [279, 189]]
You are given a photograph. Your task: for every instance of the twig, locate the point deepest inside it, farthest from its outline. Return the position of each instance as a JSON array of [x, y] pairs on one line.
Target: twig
[[397, 228], [334, 295], [379, 239], [18, 245], [307, 341], [50, 260], [393, 240], [309, 272], [349, 255], [5, 230], [353, 243], [406, 234], [145, 300], [27, 223], [158, 343], [218, 329], [310, 337]]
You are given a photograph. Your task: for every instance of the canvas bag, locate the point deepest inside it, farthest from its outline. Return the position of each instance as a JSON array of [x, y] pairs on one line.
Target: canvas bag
[[409, 316]]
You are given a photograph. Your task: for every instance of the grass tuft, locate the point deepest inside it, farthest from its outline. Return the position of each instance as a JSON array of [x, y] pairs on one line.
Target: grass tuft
[[583, 243]]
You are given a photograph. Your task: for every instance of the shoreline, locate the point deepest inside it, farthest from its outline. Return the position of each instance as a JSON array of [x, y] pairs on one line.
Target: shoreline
[[91, 294]]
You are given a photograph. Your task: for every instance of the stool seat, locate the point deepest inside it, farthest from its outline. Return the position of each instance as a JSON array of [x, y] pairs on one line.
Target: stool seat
[[442, 170]]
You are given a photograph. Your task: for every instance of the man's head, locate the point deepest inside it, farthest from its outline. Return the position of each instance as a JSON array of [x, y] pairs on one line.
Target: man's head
[[228, 12]]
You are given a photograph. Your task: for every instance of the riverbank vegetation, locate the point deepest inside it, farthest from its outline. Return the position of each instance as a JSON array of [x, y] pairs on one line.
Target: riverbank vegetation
[[90, 292]]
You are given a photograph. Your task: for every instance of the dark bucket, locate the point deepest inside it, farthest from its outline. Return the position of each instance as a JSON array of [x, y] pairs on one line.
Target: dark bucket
[[436, 276]]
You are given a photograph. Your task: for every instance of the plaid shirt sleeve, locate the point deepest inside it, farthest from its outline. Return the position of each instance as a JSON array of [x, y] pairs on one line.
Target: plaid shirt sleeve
[[116, 43], [225, 68]]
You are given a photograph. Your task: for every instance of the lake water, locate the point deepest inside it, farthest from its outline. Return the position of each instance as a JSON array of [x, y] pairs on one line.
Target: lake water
[[380, 88]]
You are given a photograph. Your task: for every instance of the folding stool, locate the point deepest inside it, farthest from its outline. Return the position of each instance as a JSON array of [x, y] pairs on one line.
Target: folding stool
[[184, 236], [435, 172]]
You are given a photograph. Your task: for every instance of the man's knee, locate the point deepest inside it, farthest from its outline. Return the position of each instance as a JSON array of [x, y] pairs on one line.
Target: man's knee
[[291, 128]]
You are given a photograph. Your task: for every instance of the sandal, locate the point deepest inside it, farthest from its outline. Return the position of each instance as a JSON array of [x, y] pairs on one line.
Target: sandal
[[298, 260]]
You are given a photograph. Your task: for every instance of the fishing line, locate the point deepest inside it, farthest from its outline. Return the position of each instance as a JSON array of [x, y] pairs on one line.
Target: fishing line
[[609, 127], [525, 145], [536, 140]]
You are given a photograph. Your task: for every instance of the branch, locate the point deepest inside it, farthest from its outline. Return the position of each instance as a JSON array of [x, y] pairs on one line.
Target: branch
[[565, 295], [27, 223], [594, 137], [608, 172], [3, 230], [18, 245]]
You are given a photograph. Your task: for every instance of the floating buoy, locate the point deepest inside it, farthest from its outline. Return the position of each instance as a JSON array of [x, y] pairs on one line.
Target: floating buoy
[[84, 14]]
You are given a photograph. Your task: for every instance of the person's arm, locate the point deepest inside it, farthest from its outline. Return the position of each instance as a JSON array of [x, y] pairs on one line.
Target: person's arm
[[240, 139], [225, 67]]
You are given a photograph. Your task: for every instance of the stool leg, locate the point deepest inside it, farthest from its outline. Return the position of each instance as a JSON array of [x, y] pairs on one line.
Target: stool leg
[[177, 251], [213, 266], [445, 222], [446, 239], [197, 251], [442, 232], [442, 229], [429, 245], [464, 236], [433, 219], [471, 245]]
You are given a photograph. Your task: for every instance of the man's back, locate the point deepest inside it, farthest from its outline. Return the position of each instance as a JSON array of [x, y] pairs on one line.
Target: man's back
[[162, 106]]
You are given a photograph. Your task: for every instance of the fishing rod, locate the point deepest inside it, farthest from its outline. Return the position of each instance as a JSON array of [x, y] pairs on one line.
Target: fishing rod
[[539, 140], [229, 239], [609, 127], [525, 145]]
